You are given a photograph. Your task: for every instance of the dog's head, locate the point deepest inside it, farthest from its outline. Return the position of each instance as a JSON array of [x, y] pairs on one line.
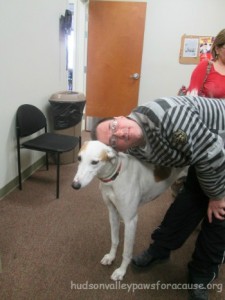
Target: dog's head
[[94, 158]]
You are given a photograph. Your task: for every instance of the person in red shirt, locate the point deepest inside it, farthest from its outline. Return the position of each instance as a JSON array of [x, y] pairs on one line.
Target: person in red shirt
[[210, 85]]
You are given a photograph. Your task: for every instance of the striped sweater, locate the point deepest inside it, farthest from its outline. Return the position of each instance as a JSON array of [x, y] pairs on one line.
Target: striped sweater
[[187, 130]]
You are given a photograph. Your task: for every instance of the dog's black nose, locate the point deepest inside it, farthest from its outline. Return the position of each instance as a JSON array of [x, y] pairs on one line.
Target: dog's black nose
[[76, 185]]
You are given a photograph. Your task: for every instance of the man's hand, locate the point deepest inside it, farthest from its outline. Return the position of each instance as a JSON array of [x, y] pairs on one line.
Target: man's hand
[[216, 208]]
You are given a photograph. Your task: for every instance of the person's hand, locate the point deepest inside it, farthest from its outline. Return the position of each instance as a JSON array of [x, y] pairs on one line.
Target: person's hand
[[216, 208]]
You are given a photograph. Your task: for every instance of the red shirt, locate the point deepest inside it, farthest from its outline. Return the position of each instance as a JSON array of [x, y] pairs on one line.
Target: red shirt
[[214, 86]]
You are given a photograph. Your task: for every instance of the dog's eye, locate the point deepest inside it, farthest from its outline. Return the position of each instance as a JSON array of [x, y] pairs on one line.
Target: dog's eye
[[79, 158], [95, 162]]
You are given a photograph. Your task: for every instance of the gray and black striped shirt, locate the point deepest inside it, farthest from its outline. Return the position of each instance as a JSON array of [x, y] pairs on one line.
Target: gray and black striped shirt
[[187, 130]]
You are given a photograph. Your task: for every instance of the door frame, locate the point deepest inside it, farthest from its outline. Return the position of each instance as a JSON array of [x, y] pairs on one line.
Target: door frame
[[80, 47]]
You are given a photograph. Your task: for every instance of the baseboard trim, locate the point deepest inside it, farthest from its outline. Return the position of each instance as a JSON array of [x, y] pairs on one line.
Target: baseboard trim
[[9, 187]]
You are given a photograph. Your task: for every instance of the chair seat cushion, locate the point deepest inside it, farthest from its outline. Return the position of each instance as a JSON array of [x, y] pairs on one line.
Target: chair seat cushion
[[52, 142]]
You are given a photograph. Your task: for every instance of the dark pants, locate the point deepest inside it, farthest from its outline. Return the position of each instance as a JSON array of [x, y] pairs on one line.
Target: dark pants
[[185, 213]]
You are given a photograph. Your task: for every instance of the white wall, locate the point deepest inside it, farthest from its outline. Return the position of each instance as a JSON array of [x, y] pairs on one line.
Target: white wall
[[32, 67], [166, 22]]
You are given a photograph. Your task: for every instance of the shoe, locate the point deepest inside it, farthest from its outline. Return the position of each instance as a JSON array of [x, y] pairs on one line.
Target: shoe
[[199, 277], [199, 294], [147, 259]]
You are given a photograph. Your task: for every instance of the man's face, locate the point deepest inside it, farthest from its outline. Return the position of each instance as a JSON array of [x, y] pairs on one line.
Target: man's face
[[121, 133]]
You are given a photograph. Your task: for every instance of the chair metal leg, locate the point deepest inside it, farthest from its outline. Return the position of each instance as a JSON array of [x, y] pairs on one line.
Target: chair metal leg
[[46, 160], [79, 142], [19, 165], [58, 174]]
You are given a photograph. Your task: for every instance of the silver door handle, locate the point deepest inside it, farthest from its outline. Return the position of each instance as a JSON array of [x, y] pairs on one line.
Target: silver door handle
[[135, 76]]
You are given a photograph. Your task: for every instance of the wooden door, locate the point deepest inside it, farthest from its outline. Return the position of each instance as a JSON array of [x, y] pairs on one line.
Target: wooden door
[[114, 53]]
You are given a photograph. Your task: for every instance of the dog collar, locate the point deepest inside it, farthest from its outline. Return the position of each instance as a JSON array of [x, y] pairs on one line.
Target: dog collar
[[113, 176]]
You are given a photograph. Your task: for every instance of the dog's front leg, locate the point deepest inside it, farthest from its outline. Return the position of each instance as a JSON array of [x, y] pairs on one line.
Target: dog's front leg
[[114, 220], [129, 236]]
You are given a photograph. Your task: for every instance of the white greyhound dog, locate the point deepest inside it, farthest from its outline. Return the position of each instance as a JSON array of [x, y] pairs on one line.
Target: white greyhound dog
[[125, 183]]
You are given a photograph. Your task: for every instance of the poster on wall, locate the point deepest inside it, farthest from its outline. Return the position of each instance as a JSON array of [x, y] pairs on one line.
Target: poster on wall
[[195, 48], [190, 48]]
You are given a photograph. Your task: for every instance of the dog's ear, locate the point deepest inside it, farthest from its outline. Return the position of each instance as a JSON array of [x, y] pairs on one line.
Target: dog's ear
[[84, 145], [111, 153]]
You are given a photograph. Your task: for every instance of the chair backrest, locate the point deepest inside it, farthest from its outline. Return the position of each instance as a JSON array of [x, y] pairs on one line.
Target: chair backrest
[[29, 119]]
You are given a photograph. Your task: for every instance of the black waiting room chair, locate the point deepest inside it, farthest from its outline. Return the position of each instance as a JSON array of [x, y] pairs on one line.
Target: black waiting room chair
[[30, 120]]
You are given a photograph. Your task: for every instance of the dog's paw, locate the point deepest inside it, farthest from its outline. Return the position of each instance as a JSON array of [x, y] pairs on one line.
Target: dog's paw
[[118, 274], [107, 259]]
